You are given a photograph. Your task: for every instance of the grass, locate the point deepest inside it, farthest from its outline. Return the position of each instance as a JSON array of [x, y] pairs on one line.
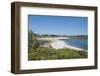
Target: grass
[[43, 53]]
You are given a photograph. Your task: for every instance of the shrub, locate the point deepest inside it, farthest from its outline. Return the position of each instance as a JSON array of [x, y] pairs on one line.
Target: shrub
[[32, 41]]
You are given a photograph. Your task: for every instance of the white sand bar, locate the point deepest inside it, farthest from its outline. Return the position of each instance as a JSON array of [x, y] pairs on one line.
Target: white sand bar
[[52, 38], [57, 43]]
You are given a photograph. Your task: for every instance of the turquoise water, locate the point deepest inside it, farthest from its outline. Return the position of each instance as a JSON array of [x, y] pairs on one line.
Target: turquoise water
[[80, 43]]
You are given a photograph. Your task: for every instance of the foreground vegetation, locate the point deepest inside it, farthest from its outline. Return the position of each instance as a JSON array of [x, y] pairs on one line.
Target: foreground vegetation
[[43, 53], [35, 52]]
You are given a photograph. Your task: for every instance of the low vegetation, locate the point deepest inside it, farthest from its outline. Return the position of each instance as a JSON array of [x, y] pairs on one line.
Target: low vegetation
[[43, 53]]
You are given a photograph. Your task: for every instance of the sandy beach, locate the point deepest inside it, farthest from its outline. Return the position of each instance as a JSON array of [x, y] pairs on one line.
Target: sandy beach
[[57, 43], [52, 38]]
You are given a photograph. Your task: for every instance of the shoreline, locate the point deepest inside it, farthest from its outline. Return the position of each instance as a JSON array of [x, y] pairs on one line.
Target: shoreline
[[59, 44], [56, 43]]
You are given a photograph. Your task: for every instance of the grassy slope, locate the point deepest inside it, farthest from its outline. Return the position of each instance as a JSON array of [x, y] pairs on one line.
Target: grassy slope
[[42, 53]]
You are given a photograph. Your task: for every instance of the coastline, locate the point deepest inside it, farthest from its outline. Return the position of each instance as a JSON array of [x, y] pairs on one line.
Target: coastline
[[56, 43], [59, 44]]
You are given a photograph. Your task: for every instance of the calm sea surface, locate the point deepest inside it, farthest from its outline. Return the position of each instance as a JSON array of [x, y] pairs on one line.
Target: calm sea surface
[[80, 43]]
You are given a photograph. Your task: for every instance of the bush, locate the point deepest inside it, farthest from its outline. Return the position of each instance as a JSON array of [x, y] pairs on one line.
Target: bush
[[32, 41]]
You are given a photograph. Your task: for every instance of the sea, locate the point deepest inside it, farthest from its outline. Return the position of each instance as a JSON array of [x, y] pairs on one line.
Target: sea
[[79, 43]]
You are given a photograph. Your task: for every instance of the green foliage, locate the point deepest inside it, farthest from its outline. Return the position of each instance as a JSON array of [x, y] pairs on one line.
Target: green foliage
[[43, 53], [30, 39], [67, 54], [83, 54], [33, 44]]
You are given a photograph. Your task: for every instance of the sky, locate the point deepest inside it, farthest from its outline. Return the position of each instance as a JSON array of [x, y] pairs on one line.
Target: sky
[[58, 25]]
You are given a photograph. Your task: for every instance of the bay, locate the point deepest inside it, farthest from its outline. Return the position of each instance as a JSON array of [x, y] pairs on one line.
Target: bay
[[80, 43]]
